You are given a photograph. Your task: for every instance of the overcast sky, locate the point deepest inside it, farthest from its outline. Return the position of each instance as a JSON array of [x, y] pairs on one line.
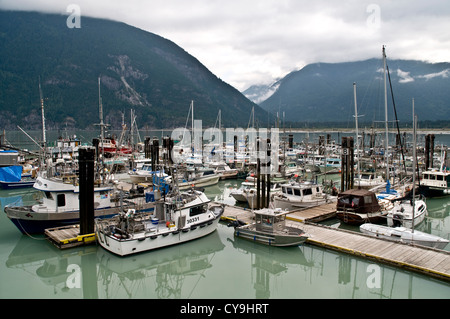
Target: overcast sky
[[247, 42]]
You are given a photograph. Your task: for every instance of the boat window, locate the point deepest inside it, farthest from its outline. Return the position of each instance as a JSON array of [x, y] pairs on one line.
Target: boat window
[[197, 210], [48, 195], [440, 177], [355, 201], [283, 189], [61, 200], [425, 176], [367, 199], [318, 189], [307, 191], [289, 191], [296, 192], [344, 200]]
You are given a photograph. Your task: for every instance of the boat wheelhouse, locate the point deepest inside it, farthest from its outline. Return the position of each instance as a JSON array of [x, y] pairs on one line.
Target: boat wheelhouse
[[358, 206], [435, 182], [270, 229], [298, 195]]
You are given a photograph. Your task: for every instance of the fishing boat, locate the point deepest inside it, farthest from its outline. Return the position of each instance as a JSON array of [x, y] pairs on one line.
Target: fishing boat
[[60, 205], [298, 195], [368, 180], [404, 235], [358, 206], [270, 229], [196, 178], [223, 170], [144, 174], [435, 182], [180, 217], [401, 214], [252, 193], [12, 177], [240, 194]]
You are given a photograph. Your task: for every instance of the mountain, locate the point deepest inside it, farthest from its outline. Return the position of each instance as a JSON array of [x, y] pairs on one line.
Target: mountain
[[139, 70], [323, 92], [260, 93]]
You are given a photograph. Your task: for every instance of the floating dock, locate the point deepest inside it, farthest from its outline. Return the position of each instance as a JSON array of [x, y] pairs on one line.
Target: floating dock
[[421, 259], [68, 237]]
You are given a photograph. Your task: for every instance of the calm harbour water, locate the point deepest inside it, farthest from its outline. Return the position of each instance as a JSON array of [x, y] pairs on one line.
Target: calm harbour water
[[215, 267]]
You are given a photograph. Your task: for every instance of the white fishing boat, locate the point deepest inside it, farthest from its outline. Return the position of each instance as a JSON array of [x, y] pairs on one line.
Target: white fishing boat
[[181, 217], [252, 193], [435, 182], [60, 205], [298, 195], [201, 181], [223, 170], [368, 180], [144, 174], [401, 214], [240, 194], [404, 235], [270, 229]]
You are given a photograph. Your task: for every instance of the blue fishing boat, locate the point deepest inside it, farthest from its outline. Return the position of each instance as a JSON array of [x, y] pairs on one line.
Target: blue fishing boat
[[11, 177]]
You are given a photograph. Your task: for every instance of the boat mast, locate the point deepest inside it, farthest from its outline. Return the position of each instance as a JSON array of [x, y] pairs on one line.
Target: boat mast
[[357, 134], [414, 166], [44, 139], [386, 116], [192, 124]]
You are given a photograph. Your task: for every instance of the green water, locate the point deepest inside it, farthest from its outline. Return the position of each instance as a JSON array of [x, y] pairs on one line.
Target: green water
[[214, 267]]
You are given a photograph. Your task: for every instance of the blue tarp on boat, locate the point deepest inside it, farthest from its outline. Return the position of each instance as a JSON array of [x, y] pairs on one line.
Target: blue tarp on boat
[[11, 173]]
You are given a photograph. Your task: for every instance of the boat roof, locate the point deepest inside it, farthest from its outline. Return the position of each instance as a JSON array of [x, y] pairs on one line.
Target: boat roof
[[357, 192], [270, 211]]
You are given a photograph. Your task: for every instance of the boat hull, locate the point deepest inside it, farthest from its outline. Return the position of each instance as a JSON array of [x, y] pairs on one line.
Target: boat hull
[[31, 222], [143, 242], [271, 239], [16, 185], [356, 219], [404, 235], [286, 204], [201, 182]]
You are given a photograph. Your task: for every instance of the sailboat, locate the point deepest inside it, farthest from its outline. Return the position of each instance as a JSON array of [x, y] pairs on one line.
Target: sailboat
[[402, 233]]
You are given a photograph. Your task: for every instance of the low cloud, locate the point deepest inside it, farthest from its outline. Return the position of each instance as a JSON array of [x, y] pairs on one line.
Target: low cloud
[[248, 42], [405, 77]]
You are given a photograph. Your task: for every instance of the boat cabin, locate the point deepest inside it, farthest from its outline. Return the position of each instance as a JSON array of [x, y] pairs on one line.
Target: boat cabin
[[267, 219], [358, 200], [435, 178], [301, 190]]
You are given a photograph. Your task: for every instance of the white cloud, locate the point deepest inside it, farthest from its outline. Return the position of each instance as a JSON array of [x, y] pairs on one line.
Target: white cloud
[[248, 42], [444, 74], [404, 76]]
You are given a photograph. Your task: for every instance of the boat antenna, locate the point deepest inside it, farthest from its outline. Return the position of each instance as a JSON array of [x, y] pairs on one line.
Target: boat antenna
[[386, 116], [357, 135], [41, 97], [414, 166]]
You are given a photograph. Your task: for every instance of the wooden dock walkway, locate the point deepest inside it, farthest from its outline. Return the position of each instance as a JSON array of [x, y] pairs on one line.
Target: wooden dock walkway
[[421, 259], [68, 237]]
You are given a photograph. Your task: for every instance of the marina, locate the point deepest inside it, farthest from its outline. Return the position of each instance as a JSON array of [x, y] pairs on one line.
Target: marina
[[324, 234], [132, 169]]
